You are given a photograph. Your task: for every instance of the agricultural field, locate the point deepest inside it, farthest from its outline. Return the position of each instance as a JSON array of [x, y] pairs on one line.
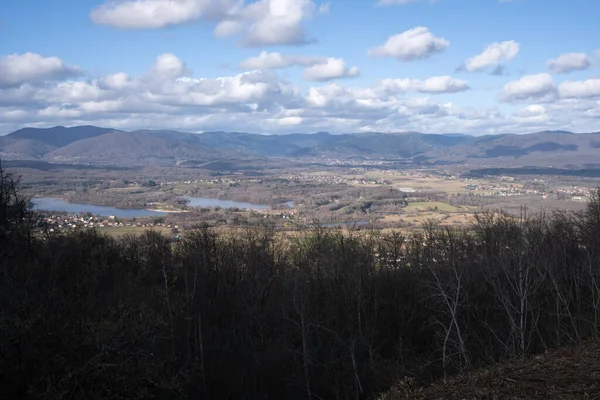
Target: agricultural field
[[132, 230]]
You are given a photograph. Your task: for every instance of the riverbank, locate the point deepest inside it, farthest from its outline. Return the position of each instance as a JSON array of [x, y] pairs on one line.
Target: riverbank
[[167, 211]]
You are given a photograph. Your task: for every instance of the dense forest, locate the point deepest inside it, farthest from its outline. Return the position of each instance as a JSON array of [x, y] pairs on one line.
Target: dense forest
[[256, 314]]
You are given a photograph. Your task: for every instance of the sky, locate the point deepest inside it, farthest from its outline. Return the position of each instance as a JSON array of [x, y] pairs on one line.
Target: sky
[[285, 66]]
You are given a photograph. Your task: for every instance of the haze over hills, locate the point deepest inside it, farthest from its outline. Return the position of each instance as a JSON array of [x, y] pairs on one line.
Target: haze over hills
[[90, 144]]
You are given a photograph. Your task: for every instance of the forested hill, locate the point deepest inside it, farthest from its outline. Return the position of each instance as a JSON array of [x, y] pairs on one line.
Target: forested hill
[[101, 145]]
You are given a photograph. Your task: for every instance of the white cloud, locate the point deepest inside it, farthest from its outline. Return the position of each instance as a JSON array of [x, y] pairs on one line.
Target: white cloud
[[152, 14], [259, 23], [277, 60], [319, 68], [413, 44], [493, 55], [570, 62], [17, 69], [169, 97], [272, 22], [334, 68], [168, 66], [117, 81], [538, 86], [573, 89], [436, 84], [533, 113]]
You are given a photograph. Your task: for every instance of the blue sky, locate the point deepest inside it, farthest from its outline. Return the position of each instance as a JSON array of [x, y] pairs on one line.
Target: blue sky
[[280, 66]]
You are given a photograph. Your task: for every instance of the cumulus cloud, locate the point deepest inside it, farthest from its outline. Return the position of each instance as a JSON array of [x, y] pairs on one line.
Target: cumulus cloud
[[493, 55], [334, 68], [152, 14], [259, 23], [277, 60], [168, 66], [436, 84], [17, 69], [169, 96], [570, 62], [272, 22], [575, 89], [118, 81], [532, 113], [538, 86], [318, 68], [413, 44]]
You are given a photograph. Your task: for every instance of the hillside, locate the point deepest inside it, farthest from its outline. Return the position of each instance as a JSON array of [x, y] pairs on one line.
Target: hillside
[[35, 143], [133, 147], [559, 149], [23, 149], [59, 136], [568, 373]]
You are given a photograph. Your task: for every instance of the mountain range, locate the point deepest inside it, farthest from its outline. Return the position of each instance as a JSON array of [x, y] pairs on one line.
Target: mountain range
[[96, 145]]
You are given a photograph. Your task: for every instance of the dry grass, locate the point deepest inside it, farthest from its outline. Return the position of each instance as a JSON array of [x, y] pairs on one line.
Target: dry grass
[[458, 219], [418, 218], [423, 183], [568, 373], [406, 181], [126, 189], [430, 205], [132, 230]]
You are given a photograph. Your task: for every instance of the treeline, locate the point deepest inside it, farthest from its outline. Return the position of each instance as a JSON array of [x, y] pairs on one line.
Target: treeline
[[324, 314]]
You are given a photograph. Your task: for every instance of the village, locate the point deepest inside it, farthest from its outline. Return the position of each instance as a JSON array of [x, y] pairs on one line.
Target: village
[[56, 222]]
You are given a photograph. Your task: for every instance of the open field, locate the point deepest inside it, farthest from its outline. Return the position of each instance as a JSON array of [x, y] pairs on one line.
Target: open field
[[132, 230], [331, 194], [416, 220], [125, 189], [430, 205], [397, 180]]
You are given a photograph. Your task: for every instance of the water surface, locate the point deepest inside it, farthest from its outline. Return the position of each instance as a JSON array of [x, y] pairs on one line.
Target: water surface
[[213, 202], [51, 204]]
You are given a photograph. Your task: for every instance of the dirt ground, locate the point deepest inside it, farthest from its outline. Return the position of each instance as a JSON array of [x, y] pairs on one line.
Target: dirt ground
[[567, 373]]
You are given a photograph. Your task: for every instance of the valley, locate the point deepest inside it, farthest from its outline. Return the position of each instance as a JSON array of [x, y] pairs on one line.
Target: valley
[[335, 188]]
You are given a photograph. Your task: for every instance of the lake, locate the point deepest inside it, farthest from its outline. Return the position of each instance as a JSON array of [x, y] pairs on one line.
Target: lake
[[209, 202], [51, 204]]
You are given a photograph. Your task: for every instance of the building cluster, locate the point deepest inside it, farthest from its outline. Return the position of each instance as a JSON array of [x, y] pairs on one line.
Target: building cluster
[[60, 222], [336, 180], [576, 192], [347, 163], [490, 189], [210, 181]]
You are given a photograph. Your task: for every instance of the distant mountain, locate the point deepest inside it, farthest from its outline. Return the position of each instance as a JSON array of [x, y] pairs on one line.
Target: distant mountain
[[34, 143], [23, 149], [135, 147], [556, 132], [89, 144], [59, 136], [325, 144]]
